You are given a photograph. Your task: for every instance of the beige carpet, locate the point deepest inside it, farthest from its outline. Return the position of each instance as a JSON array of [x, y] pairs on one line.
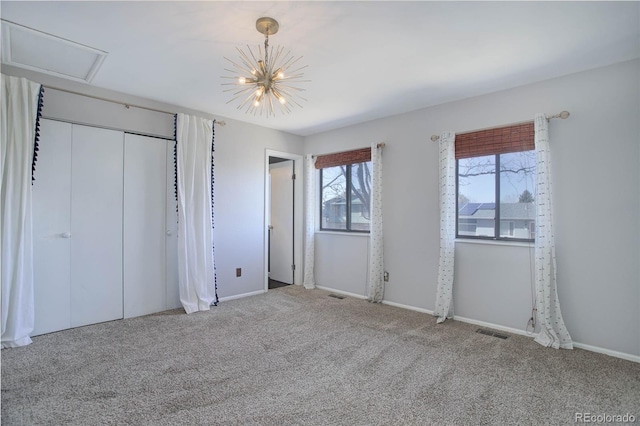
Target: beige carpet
[[295, 356]]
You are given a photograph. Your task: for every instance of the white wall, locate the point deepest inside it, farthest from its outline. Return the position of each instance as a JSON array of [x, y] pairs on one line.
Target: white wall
[[342, 268], [239, 202], [596, 163], [239, 161]]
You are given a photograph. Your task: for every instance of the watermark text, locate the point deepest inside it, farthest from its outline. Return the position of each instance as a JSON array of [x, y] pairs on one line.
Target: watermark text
[[604, 418]]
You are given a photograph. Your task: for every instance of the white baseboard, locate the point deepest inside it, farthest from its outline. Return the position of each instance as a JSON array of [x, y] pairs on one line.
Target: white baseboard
[[240, 296], [345, 293], [493, 326], [621, 355], [411, 308]]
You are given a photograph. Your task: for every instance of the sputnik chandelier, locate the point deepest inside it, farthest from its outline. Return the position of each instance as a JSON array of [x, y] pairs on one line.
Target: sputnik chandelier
[[264, 79]]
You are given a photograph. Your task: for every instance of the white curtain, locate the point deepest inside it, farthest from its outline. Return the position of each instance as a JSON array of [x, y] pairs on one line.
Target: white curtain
[[309, 221], [376, 242], [447, 181], [18, 132], [553, 332], [194, 140]]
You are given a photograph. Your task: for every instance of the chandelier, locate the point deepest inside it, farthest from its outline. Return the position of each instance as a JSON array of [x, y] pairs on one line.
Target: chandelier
[[265, 81]]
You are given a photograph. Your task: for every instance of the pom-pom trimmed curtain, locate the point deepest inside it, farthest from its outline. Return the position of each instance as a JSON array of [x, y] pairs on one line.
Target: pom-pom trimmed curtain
[[18, 130], [194, 167]]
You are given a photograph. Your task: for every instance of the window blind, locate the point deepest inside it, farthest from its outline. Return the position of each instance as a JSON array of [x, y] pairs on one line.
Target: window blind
[[499, 140], [343, 158]]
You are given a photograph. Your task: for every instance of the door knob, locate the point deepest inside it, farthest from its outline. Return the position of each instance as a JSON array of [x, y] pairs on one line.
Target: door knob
[[169, 233], [65, 235]]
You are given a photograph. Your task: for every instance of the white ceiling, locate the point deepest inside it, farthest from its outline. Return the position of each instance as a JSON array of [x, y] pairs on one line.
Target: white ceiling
[[366, 59]]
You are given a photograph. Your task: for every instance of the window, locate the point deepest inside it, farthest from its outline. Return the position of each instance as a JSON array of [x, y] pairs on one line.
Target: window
[[345, 191], [496, 184]]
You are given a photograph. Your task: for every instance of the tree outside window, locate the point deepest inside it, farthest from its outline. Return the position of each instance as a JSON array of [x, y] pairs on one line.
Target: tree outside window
[[346, 197]]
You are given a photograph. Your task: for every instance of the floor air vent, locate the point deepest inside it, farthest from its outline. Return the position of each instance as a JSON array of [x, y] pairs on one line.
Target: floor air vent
[[491, 333], [335, 296]]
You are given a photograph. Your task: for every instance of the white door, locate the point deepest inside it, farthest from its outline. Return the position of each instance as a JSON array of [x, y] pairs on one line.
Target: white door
[[96, 225], [52, 228], [145, 180], [281, 221], [173, 291]]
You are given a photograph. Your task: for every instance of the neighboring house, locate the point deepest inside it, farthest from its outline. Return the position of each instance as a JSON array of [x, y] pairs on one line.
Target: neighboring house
[[517, 220], [334, 214]]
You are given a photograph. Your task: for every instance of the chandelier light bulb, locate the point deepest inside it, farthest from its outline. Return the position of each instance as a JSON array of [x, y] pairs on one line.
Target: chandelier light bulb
[[261, 74]]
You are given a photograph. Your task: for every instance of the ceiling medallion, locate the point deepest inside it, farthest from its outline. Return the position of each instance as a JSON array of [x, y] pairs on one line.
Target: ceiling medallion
[[265, 81]]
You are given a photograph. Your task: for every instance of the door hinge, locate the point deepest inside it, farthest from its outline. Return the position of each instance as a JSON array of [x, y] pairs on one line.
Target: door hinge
[[293, 176], [293, 267]]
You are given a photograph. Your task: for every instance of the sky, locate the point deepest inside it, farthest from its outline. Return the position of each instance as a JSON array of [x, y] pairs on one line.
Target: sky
[[513, 180]]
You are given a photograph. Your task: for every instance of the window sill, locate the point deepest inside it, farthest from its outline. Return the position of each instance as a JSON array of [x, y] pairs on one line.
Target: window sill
[[531, 244], [356, 234]]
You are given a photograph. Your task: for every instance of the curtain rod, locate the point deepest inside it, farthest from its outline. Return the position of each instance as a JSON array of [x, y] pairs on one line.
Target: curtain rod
[[380, 145], [563, 115], [126, 105]]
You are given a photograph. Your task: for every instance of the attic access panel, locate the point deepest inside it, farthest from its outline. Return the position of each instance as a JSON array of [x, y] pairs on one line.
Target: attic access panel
[[34, 50]]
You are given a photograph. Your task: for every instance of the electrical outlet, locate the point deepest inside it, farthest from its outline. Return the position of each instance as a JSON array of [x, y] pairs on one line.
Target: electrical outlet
[[386, 276], [238, 272]]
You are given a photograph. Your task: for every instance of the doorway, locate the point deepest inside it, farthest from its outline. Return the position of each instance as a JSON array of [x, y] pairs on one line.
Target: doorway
[[280, 239], [283, 219]]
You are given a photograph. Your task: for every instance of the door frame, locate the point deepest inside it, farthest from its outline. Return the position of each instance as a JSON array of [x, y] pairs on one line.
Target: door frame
[[298, 227]]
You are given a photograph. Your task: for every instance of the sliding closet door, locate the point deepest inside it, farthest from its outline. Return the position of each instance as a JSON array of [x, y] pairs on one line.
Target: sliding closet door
[[173, 291], [96, 225], [145, 180], [52, 228]]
